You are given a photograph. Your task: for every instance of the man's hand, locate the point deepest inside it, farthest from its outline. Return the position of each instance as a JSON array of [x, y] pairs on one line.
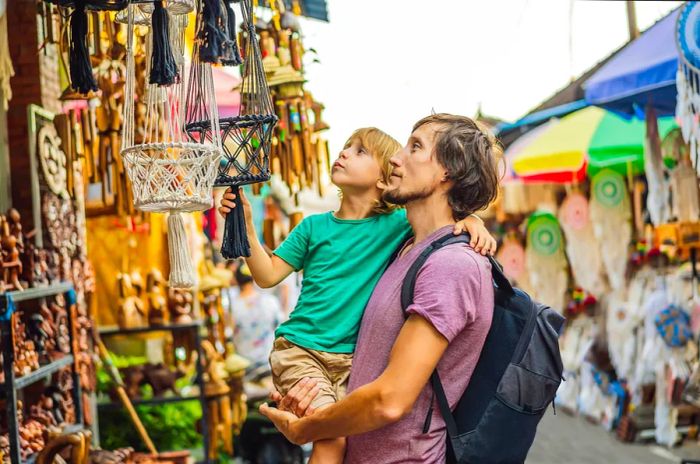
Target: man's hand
[[284, 422], [298, 399], [481, 240]]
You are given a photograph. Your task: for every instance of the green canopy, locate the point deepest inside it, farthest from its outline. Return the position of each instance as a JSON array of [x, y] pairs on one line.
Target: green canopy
[[618, 144]]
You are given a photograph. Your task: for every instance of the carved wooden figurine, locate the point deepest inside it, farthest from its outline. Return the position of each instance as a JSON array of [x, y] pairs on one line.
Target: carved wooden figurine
[[157, 302], [180, 305]]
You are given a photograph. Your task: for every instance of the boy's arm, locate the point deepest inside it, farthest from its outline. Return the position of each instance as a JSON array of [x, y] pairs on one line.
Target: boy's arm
[[267, 270], [481, 240]]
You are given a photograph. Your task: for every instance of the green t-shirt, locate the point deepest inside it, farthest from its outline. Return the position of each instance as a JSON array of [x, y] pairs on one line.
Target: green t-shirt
[[342, 262]]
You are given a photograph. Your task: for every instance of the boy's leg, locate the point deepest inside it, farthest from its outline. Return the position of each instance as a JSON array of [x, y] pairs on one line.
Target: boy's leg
[[338, 368], [328, 451]]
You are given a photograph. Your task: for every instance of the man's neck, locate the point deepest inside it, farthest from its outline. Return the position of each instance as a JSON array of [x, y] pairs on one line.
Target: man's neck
[[428, 215], [356, 205]]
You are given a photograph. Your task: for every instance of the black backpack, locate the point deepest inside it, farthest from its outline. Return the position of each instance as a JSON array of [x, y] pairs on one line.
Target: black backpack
[[515, 379]]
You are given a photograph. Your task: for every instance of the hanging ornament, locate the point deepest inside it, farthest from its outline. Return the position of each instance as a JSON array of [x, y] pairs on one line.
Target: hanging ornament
[[611, 217], [581, 247], [81, 75], [512, 257], [168, 171], [688, 77], [545, 260], [246, 138]]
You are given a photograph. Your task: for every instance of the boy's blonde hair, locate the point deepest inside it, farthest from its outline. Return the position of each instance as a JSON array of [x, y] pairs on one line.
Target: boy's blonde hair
[[382, 146]]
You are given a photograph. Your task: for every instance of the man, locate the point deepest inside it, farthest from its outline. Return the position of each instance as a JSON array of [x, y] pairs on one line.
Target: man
[[447, 170]]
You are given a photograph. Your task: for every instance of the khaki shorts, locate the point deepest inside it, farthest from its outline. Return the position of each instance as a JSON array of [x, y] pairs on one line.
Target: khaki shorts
[[291, 363]]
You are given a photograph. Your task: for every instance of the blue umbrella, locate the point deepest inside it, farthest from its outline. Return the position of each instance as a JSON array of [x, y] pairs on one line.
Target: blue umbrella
[[643, 72]]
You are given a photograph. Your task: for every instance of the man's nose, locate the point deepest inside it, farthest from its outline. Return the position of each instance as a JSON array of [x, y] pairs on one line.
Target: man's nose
[[396, 160]]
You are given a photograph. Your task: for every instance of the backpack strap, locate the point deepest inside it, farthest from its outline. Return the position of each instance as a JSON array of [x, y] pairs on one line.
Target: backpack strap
[[503, 289]]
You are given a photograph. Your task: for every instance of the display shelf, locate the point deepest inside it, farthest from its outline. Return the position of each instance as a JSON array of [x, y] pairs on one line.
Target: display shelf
[[156, 401], [143, 330], [42, 372], [13, 383], [39, 292]]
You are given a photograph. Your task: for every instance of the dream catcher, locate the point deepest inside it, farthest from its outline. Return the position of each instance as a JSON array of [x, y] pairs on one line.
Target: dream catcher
[[581, 246], [688, 77], [611, 216], [545, 259], [246, 138], [170, 172]]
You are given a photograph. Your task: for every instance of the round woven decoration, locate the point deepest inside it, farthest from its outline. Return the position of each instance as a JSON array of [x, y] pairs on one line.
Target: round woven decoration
[[688, 34], [512, 258], [609, 188], [544, 234], [574, 211]]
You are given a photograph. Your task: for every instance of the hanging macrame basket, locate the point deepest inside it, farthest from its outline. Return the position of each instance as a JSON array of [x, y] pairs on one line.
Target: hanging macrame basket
[[688, 77], [168, 171], [246, 138]]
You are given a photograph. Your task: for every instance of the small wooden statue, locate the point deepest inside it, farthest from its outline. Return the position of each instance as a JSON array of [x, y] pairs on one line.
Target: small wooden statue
[[180, 305], [132, 311], [11, 263], [157, 302]]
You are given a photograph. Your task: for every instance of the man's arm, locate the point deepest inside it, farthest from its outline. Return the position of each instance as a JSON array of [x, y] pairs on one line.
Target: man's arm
[[415, 354]]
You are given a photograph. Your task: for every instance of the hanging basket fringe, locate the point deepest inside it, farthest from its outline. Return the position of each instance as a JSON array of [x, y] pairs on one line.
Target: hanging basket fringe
[[181, 270], [163, 65], [235, 241], [81, 76]]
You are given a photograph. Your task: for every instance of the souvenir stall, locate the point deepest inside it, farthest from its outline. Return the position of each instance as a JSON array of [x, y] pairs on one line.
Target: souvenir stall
[[611, 204], [111, 312]]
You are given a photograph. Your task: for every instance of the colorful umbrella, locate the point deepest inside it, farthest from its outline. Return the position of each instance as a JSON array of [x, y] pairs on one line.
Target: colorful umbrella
[[585, 141]]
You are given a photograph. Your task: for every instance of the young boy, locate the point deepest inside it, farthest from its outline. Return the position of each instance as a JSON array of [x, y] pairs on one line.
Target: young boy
[[343, 254]]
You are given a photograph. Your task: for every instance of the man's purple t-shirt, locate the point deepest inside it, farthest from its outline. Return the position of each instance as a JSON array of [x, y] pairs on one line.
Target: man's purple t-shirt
[[454, 292]]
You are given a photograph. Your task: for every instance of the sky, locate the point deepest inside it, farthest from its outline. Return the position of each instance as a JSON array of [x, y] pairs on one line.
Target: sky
[[387, 63]]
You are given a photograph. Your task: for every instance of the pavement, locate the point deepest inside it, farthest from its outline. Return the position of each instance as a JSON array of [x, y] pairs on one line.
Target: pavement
[[564, 439]]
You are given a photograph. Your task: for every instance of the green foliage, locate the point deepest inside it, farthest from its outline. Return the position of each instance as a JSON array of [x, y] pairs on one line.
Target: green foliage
[[171, 426]]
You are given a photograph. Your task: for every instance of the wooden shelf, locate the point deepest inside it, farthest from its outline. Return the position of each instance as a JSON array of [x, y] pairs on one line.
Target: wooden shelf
[[150, 329], [39, 292], [42, 372]]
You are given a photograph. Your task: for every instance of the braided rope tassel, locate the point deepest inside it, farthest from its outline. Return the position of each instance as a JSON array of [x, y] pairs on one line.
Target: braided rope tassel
[[235, 241], [181, 270]]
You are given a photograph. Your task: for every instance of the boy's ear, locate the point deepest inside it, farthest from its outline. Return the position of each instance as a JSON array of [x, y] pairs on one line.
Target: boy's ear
[[381, 185]]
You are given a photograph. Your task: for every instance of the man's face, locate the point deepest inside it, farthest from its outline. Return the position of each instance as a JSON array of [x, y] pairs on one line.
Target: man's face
[[416, 174]]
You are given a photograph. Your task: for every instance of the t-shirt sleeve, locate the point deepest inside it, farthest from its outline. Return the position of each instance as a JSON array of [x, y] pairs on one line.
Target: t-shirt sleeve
[[448, 291], [295, 247]]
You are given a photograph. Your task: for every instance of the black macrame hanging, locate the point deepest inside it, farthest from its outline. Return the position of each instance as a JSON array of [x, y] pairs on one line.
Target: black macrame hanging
[[246, 138], [218, 40], [82, 78]]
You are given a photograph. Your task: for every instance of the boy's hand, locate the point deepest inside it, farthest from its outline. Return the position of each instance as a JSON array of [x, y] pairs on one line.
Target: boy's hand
[[227, 205], [481, 240], [298, 399]]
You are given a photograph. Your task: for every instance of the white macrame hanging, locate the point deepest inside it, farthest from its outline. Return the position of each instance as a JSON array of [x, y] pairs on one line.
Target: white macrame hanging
[[688, 78], [611, 216], [545, 260], [169, 172], [581, 246]]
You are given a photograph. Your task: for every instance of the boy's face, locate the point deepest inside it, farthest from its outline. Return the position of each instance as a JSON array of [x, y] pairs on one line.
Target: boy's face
[[417, 173], [356, 167]]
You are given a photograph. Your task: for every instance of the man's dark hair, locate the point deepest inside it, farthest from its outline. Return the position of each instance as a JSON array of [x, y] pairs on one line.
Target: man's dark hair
[[470, 157]]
